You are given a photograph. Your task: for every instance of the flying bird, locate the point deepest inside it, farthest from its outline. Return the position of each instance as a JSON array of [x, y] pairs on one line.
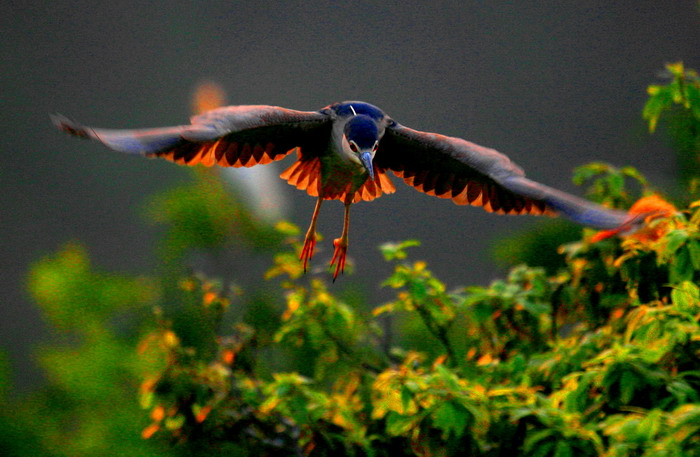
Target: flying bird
[[345, 152]]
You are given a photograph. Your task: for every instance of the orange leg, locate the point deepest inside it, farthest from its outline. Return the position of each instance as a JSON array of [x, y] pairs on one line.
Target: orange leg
[[341, 245], [310, 240]]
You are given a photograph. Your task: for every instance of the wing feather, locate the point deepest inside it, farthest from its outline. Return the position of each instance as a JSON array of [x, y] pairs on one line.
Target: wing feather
[[467, 173], [233, 136]]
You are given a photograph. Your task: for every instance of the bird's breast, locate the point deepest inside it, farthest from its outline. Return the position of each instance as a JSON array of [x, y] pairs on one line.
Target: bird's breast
[[340, 177]]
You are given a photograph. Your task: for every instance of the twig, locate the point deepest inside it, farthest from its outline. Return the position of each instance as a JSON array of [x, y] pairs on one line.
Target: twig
[[438, 331]]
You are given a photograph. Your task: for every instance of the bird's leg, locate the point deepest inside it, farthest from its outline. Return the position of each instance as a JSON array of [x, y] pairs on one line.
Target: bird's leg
[[310, 239], [341, 245]]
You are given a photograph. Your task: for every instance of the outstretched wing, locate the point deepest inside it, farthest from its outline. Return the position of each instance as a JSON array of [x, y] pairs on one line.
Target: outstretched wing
[[467, 173], [232, 136]]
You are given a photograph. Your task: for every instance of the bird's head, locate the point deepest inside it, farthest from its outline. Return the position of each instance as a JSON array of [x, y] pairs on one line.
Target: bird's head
[[360, 141]]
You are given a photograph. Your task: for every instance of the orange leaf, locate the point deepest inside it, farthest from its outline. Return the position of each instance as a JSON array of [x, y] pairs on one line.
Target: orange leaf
[[440, 360], [484, 360], [209, 297], [149, 431], [203, 413], [617, 313], [229, 356], [158, 413]]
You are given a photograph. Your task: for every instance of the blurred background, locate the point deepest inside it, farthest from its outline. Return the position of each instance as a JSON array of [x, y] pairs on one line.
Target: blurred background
[[552, 84]]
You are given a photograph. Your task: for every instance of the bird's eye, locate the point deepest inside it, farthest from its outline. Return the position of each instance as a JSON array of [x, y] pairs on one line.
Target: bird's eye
[[353, 147]]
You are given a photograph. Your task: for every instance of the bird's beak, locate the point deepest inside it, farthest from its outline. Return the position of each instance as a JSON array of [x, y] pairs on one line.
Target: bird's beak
[[366, 159]]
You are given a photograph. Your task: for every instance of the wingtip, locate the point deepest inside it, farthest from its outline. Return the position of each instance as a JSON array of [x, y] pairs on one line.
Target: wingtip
[[68, 126]]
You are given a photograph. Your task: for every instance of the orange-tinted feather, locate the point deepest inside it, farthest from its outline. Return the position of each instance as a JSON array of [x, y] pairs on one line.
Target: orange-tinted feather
[[385, 183], [656, 207], [461, 198]]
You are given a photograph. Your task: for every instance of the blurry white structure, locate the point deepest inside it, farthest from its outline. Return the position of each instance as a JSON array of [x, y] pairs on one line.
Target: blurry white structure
[[261, 188]]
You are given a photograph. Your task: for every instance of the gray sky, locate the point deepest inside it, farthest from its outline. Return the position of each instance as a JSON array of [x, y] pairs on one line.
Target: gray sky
[[553, 84]]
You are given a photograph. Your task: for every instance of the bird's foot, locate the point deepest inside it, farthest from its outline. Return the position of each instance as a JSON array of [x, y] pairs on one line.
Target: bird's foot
[[341, 250], [308, 250]]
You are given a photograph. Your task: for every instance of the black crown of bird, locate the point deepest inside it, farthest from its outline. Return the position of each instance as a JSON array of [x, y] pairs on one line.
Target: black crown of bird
[[345, 152]]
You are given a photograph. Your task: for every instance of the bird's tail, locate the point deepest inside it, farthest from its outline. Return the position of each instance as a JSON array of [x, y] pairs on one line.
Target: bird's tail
[[142, 141]]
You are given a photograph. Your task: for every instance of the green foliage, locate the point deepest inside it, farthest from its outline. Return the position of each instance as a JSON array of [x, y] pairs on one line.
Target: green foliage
[[94, 374], [608, 184], [537, 246], [683, 89], [204, 216], [74, 297], [678, 102], [591, 361]]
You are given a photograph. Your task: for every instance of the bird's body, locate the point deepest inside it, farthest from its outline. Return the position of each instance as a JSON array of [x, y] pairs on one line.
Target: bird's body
[[344, 152]]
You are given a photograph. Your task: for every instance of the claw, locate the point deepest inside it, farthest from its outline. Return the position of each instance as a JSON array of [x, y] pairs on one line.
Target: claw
[[310, 239], [339, 255], [307, 251]]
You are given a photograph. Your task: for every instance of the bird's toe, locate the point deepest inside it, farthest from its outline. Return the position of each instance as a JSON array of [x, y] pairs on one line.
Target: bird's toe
[[339, 256]]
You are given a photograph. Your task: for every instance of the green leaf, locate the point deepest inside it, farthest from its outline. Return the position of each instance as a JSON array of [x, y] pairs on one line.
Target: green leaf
[[534, 439], [536, 308], [451, 418], [616, 183], [397, 424], [694, 249], [563, 449], [651, 424], [633, 173], [686, 296], [397, 251], [588, 171], [175, 422], [544, 449], [406, 397], [146, 399], [628, 385], [448, 377], [660, 99], [681, 267], [675, 240]]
